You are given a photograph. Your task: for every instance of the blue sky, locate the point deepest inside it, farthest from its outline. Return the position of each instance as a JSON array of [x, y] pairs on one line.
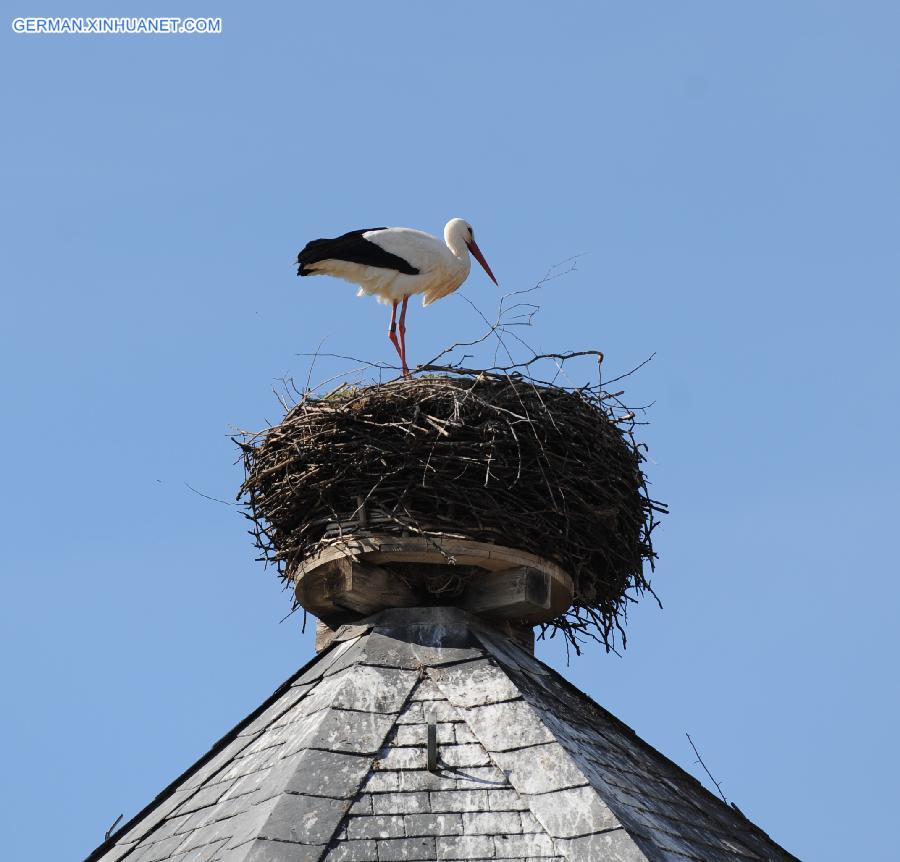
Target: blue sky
[[729, 173]]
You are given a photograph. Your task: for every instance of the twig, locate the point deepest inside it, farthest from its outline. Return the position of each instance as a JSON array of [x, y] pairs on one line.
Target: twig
[[206, 496], [700, 761]]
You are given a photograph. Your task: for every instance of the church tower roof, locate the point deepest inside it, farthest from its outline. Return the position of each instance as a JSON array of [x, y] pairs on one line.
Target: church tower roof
[[427, 734]]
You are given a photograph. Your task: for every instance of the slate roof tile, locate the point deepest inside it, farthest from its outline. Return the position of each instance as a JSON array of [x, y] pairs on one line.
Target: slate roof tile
[[262, 850], [433, 824], [465, 847], [535, 844], [540, 768], [399, 803], [355, 851], [492, 822], [420, 779], [508, 725], [476, 683], [573, 812], [459, 800], [466, 755], [376, 826], [399, 849]]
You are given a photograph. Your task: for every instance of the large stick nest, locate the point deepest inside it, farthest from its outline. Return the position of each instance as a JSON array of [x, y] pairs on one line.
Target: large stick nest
[[487, 456]]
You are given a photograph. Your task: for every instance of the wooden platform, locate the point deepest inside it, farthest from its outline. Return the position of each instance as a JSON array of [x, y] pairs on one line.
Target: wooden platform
[[367, 573]]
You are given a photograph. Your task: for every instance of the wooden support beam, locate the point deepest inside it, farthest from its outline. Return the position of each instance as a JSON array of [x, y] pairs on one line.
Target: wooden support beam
[[327, 631], [523, 593], [324, 635], [347, 578], [521, 633], [442, 550], [348, 585]]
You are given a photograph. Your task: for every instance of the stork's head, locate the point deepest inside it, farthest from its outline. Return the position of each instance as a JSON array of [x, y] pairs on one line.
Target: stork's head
[[460, 231]]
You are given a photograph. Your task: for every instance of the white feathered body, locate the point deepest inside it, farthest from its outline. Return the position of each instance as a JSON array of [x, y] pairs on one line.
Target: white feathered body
[[441, 269]]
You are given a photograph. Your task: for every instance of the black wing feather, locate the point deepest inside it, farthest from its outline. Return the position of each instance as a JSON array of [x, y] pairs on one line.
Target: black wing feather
[[354, 248]]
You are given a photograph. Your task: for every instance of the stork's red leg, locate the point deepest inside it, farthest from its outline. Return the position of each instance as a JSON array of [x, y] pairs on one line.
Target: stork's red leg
[[392, 332], [403, 336]]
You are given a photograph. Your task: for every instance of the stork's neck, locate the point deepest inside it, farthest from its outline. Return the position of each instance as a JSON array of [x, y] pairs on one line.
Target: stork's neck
[[457, 245]]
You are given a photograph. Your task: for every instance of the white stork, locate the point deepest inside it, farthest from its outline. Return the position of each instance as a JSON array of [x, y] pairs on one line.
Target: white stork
[[393, 263]]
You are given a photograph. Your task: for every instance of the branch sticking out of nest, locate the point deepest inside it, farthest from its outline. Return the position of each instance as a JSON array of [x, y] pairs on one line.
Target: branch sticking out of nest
[[493, 455]]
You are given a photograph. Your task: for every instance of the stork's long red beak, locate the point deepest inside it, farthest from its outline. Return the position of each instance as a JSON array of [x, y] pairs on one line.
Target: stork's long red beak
[[476, 253]]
